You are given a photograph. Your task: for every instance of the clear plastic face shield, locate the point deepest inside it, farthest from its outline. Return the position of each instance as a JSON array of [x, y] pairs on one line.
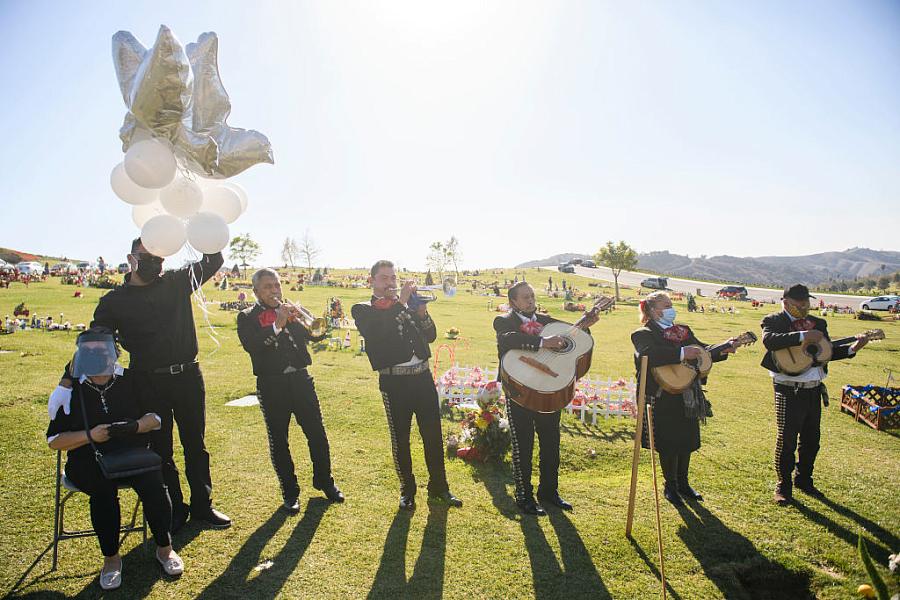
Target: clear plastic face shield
[[95, 356]]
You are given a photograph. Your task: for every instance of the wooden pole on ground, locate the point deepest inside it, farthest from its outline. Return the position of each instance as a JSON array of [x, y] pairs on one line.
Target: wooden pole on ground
[[637, 445], [662, 564]]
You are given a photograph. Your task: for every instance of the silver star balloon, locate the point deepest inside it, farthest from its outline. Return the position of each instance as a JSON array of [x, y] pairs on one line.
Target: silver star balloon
[[179, 96]]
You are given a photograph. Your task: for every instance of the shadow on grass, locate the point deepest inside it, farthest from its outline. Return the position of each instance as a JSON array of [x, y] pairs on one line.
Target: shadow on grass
[[652, 567], [733, 563], [885, 541], [427, 579], [233, 582], [140, 569], [595, 432], [577, 577]]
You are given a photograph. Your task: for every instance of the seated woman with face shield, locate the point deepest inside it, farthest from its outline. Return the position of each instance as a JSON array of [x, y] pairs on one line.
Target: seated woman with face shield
[[103, 412]]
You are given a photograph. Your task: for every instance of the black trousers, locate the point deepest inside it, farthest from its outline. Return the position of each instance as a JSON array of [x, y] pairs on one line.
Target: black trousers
[[523, 423], [405, 396], [675, 467], [104, 502], [181, 399], [283, 396], [798, 414]]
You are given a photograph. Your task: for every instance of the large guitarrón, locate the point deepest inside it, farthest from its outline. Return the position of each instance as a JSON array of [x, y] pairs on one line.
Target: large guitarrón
[[544, 381]]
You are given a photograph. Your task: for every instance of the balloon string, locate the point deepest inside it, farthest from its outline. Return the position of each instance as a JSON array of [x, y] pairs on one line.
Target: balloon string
[[200, 299]]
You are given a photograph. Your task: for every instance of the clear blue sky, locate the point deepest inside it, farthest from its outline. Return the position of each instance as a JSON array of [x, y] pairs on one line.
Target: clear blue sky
[[525, 129]]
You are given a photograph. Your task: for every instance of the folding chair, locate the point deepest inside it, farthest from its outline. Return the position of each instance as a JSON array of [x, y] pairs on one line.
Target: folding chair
[[59, 528]]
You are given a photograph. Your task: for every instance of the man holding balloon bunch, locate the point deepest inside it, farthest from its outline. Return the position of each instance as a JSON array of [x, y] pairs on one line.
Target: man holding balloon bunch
[[153, 319]]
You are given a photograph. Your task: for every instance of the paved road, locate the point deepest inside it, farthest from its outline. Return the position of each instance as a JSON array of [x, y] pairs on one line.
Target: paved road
[[634, 278]]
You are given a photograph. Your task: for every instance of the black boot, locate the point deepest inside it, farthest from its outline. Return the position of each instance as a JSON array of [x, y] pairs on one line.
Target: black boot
[[684, 488], [668, 462]]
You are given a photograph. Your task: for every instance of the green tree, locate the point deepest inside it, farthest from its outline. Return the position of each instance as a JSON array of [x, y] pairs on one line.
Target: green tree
[[884, 282], [244, 249], [617, 257]]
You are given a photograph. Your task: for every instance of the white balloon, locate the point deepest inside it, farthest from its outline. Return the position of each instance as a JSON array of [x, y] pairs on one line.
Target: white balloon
[[150, 164], [240, 191], [142, 213], [207, 233], [222, 201], [127, 190], [181, 198], [163, 235], [207, 183]]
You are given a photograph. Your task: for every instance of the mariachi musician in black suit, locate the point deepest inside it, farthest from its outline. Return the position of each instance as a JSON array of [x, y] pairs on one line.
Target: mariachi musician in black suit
[[676, 417], [271, 332], [397, 335], [520, 330], [798, 398]]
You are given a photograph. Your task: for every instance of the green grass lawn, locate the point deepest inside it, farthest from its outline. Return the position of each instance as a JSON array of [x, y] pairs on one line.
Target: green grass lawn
[[737, 544]]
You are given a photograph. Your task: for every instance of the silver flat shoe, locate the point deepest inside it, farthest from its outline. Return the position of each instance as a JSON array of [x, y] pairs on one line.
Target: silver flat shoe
[[112, 579], [173, 565]]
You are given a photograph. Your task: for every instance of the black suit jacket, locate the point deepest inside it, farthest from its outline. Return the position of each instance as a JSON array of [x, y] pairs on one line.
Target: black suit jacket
[[510, 336], [649, 341], [271, 354], [777, 334], [393, 335]]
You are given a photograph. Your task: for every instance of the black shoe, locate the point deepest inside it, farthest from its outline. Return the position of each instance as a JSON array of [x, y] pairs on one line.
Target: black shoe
[[554, 500], [446, 499], [179, 517], [334, 494], [808, 488], [783, 494], [530, 507], [213, 518], [408, 502], [292, 506], [670, 493], [689, 493]]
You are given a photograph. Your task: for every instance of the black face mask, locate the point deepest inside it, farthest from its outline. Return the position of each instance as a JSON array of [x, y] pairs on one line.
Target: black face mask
[[149, 269]]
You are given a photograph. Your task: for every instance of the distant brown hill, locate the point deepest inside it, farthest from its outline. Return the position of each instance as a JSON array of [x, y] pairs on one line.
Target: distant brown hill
[[16, 256], [811, 269]]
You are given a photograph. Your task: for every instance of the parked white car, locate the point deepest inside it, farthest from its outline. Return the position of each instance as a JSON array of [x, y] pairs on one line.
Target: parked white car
[[880, 303], [30, 268]]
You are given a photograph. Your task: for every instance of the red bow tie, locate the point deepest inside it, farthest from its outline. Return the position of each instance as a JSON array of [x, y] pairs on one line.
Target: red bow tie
[[267, 317], [802, 325], [384, 303], [676, 334], [531, 327]]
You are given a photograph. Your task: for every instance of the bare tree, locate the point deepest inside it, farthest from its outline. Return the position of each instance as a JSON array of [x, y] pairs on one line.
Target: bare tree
[[289, 252], [437, 259], [308, 250], [453, 254]]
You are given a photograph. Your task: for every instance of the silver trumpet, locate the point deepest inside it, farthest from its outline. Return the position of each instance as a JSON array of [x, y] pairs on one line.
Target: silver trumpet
[[422, 295]]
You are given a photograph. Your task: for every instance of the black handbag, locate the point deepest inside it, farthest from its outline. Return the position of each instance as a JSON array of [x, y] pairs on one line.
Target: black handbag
[[122, 462]]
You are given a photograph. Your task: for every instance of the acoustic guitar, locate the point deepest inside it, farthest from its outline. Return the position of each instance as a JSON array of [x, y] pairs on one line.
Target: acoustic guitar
[[679, 377], [544, 381], [795, 360]]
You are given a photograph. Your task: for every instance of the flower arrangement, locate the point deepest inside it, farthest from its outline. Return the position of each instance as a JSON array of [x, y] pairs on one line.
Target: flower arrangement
[[452, 333], [485, 431]]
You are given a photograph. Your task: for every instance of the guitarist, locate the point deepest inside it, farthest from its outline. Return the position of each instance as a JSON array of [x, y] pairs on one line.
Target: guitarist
[[520, 329], [676, 417], [797, 397]]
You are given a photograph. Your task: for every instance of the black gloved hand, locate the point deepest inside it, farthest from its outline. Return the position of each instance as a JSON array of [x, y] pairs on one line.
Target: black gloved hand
[[123, 428]]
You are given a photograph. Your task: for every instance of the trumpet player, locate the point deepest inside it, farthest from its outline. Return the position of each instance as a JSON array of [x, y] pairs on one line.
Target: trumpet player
[[398, 330], [274, 332]]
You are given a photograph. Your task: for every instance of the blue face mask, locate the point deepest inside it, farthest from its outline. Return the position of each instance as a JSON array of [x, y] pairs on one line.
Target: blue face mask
[[668, 317]]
